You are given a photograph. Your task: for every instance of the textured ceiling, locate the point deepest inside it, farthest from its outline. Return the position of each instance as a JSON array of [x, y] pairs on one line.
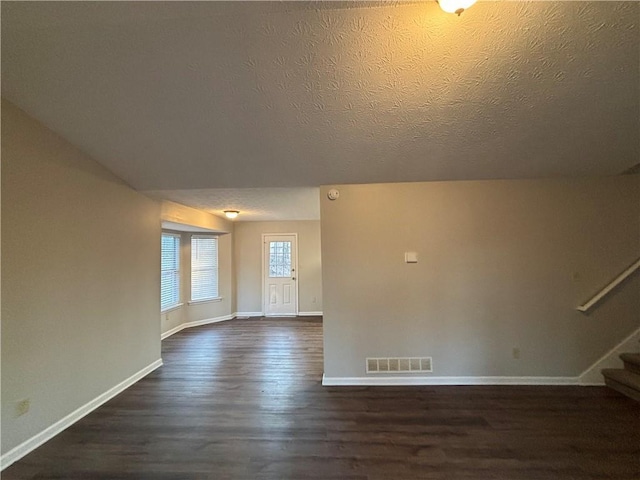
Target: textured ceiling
[[180, 96]]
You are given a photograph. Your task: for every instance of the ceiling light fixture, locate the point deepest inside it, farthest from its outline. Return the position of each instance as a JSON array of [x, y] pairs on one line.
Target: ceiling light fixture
[[231, 213], [455, 6]]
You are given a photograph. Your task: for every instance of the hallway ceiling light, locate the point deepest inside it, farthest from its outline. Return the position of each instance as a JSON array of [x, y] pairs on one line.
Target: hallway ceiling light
[[231, 213], [455, 6]]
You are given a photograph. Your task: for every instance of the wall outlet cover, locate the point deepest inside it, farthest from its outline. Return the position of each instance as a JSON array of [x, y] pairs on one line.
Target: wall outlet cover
[[411, 257]]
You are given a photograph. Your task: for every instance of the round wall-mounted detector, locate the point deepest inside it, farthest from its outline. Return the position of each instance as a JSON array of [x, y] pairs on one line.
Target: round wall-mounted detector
[[333, 194]]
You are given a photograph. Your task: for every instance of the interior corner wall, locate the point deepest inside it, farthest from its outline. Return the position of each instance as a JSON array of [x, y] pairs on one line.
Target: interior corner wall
[[248, 263], [80, 278], [502, 265], [202, 311]]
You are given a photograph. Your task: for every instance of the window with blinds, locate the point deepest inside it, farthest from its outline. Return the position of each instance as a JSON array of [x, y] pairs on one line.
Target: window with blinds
[[204, 267], [170, 271]]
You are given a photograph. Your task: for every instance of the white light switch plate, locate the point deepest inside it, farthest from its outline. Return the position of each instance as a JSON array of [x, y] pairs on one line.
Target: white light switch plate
[[410, 257]]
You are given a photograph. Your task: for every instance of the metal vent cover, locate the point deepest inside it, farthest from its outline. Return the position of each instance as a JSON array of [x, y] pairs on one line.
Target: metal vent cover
[[399, 364]]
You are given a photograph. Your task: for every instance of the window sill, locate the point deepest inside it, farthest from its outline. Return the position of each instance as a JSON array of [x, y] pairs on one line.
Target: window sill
[[172, 307], [206, 300]]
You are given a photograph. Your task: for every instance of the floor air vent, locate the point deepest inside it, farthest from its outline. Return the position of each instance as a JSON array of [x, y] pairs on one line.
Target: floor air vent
[[399, 365]]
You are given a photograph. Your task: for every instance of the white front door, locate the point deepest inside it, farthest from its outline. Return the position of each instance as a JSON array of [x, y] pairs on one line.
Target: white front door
[[280, 295]]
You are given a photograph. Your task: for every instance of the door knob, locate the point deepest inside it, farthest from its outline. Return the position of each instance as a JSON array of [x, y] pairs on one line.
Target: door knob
[[293, 278]]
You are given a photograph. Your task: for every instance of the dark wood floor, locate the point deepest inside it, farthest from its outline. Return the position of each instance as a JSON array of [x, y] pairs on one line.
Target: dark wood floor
[[243, 400]]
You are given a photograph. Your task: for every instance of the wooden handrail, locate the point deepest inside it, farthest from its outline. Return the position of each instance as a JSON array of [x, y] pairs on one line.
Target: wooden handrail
[[613, 284]]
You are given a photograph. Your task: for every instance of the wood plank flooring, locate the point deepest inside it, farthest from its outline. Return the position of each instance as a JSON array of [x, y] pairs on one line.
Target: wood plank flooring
[[243, 400]]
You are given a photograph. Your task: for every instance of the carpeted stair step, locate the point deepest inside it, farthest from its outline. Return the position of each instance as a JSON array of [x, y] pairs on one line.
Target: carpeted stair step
[[631, 362], [623, 381]]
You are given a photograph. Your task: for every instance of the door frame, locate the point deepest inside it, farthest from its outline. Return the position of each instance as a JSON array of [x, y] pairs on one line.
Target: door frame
[[264, 269]]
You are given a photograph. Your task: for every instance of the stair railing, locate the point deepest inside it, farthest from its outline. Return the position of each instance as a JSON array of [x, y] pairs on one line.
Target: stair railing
[[613, 284]]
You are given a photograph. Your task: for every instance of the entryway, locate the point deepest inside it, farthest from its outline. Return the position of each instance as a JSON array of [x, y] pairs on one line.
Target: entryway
[[280, 267]]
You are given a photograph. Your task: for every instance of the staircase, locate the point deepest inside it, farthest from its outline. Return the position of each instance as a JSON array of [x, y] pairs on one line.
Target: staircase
[[625, 380]]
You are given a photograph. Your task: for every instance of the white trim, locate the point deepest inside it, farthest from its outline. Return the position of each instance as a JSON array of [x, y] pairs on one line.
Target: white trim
[[168, 333], [309, 314], [172, 307], [613, 284], [249, 314], [204, 235], [264, 269], [207, 321], [196, 323], [206, 300], [233, 316], [423, 380], [48, 433], [592, 376]]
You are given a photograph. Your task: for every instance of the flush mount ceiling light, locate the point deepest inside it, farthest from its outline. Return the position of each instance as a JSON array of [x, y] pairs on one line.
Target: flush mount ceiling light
[[231, 213], [455, 6]]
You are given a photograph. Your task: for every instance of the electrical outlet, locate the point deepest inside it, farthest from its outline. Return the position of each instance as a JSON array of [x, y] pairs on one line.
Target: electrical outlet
[[22, 407], [516, 353], [313, 300]]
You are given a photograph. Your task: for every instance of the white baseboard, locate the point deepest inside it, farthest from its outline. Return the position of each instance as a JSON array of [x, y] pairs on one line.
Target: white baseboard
[[423, 380], [196, 323], [207, 321], [261, 314], [592, 376], [249, 314], [168, 333], [48, 433]]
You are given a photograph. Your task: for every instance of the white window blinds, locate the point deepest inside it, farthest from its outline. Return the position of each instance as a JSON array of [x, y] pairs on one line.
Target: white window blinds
[[204, 267], [170, 268]]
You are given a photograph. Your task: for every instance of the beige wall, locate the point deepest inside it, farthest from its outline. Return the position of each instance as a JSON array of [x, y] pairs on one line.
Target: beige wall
[[248, 263], [205, 310], [80, 278], [502, 265], [192, 217]]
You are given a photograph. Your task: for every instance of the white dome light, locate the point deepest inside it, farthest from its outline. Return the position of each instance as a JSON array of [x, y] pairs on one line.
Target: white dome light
[[455, 6]]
